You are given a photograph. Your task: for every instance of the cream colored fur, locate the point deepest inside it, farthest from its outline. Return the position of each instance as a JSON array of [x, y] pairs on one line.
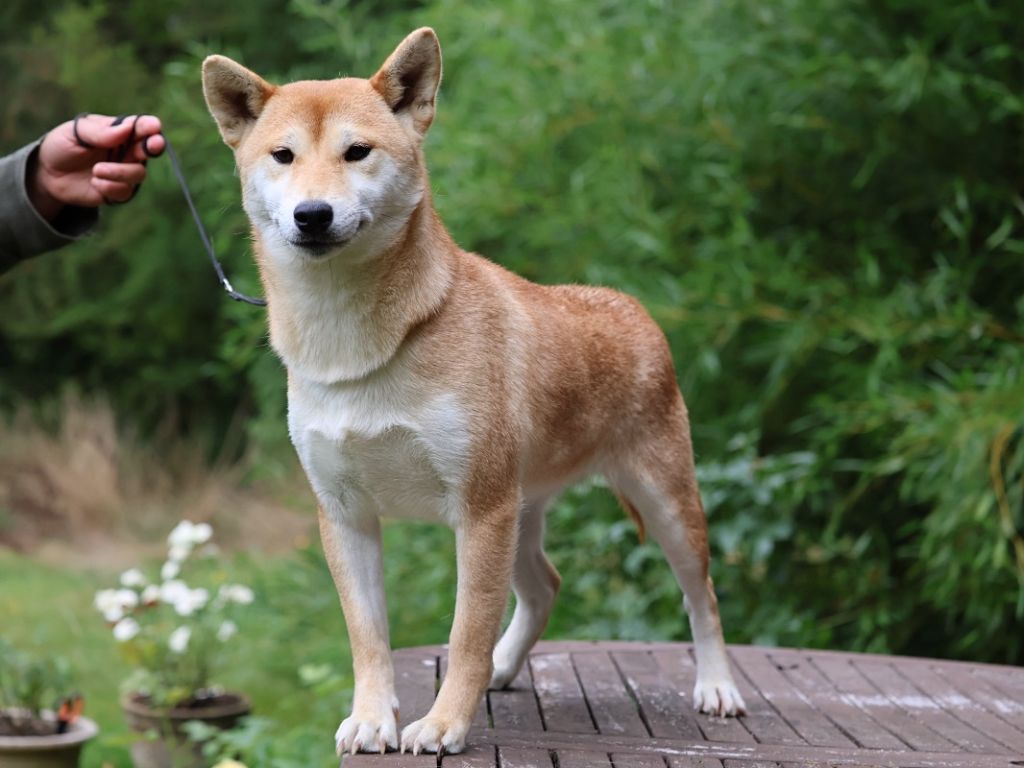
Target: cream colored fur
[[427, 382]]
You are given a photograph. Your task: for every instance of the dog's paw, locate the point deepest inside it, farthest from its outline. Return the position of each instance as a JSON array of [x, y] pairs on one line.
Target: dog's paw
[[367, 734], [503, 674], [501, 678], [432, 734], [718, 697]]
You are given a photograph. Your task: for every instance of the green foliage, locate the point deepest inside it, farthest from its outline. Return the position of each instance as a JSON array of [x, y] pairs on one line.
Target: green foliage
[[29, 685], [818, 201]]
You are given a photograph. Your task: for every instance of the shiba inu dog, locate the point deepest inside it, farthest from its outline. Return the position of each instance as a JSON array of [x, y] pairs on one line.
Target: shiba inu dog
[[428, 382]]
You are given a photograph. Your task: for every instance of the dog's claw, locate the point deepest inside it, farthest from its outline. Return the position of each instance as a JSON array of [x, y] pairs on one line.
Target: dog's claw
[[361, 733], [719, 699], [437, 735]]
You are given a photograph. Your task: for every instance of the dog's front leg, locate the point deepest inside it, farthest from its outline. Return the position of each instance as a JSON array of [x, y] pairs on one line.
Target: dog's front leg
[[485, 548], [353, 549]]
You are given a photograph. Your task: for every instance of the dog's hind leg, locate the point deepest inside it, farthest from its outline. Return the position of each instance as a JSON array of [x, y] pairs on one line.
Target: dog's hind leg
[[535, 583], [658, 479]]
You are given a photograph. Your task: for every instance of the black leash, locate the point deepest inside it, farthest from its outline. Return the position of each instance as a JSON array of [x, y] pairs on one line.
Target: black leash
[[119, 153]]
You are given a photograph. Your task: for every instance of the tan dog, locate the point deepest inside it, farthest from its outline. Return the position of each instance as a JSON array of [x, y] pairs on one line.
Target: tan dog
[[427, 382]]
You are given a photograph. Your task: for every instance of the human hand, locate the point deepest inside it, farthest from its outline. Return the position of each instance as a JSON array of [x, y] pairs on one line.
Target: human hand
[[66, 173]]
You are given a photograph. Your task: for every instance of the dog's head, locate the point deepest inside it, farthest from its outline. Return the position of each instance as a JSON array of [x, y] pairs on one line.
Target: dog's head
[[334, 164]]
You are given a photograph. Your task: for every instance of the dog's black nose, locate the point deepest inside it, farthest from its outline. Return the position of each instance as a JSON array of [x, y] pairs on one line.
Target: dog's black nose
[[313, 217]]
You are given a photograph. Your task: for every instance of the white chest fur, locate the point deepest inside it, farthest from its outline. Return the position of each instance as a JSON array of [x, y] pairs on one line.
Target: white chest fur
[[384, 445]]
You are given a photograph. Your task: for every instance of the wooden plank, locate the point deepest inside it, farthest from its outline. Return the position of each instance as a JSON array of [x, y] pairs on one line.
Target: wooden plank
[[859, 691], [802, 716], [390, 760], [522, 757], [763, 719], [562, 703], [839, 756], [678, 668], [939, 689], [564, 708], [807, 679], [904, 695], [610, 704], [978, 690], [516, 707], [415, 685], [415, 682], [475, 756], [675, 761], [580, 758], [1008, 679], [636, 761], [663, 706]]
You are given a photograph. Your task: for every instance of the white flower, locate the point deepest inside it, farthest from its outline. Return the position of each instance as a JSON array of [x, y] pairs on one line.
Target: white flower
[[150, 594], [125, 630], [127, 598], [178, 641], [178, 553], [189, 601], [188, 534], [113, 602], [236, 593], [133, 578], [113, 614], [105, 600], [226, 631], [172, 591], [201, 533], [169, 570], [182, 533]]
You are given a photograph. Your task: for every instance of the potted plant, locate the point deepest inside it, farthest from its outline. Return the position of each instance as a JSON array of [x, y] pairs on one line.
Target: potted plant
[[31, 734], [174, 635]]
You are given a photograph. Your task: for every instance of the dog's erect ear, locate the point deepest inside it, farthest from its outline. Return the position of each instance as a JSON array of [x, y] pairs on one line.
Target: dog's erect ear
[[235, 97], [409, 78]]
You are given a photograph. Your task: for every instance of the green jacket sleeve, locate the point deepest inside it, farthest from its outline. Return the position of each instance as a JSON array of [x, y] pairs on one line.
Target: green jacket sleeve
[[23, 232]]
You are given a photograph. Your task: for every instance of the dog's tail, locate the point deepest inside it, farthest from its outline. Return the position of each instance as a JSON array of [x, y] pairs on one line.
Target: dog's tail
[[634, 516]]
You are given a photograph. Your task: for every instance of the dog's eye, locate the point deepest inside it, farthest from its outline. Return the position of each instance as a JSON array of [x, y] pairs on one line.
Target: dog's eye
[[283, 156], [357, 152]]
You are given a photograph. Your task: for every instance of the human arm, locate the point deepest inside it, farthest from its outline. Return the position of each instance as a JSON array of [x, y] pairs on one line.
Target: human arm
[[50, 189]]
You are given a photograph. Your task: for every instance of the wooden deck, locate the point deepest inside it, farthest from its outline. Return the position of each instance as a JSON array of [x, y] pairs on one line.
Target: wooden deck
[[628, 705]]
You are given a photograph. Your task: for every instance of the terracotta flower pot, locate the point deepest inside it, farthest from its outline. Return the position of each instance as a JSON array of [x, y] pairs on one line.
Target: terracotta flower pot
[[58, 750], [167, 745]]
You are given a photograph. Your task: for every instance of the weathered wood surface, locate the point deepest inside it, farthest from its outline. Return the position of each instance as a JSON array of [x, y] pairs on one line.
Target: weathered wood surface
[[628, 705]]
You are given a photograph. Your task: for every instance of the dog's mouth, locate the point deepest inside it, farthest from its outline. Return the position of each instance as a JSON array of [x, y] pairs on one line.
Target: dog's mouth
[[321, 246], [318, 247]]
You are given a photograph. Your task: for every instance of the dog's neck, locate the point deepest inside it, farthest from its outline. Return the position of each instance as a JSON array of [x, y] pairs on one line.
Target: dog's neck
[[336, 320]]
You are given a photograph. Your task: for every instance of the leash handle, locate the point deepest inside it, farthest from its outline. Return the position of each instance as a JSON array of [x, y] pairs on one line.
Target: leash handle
[[119, 154]]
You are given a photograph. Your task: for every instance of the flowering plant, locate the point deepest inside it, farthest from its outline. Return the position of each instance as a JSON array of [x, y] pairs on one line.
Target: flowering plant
[[172, 632], [30, 685]]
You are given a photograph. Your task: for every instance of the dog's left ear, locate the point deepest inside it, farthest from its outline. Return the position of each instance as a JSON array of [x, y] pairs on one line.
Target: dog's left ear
[[409, 78]]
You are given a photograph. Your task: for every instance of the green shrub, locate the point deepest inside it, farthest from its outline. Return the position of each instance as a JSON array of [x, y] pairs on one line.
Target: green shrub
[[818, 201]]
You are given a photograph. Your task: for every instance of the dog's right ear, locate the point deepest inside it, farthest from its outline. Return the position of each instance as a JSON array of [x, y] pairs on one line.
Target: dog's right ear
[[235, 96]]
